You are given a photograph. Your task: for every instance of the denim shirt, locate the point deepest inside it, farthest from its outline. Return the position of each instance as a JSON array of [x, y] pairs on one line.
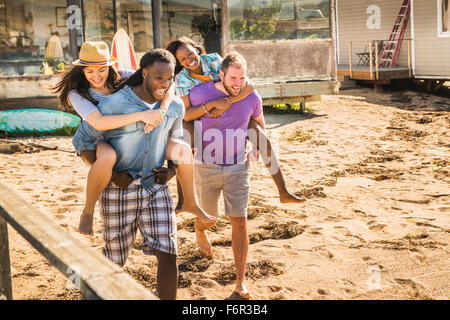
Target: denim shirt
[[138, 152]]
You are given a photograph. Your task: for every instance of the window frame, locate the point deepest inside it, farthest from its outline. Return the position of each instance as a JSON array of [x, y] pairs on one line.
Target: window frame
[[440, 33], [231, 40]]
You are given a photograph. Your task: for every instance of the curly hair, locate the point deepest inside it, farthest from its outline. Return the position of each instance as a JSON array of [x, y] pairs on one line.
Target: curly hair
[[174, 45]]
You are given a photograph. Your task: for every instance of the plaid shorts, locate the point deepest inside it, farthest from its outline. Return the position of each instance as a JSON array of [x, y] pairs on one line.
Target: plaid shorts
[[124, 211]]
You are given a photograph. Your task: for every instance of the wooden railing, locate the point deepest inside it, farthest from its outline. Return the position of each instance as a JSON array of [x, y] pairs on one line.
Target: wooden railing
[[97, 277], [374, 52]]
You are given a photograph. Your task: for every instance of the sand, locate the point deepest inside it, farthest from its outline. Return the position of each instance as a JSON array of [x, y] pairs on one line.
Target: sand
[[374, 168]]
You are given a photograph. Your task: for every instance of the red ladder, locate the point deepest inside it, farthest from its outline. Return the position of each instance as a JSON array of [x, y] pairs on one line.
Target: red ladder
[[392, 48]]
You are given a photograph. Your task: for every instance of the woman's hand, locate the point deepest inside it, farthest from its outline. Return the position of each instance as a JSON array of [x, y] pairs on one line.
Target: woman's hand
[[152, 119], [221, 104], [168, 98], [215, 113]]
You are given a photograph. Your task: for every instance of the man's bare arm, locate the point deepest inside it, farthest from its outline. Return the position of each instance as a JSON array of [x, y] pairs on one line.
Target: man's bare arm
[[260, 120]]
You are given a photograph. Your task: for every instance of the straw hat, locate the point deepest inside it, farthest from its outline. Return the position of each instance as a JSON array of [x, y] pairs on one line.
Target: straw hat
[[94, 54]]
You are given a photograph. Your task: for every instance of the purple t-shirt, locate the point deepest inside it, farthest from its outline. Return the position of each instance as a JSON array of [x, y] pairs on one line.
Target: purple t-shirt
[[223, 140]]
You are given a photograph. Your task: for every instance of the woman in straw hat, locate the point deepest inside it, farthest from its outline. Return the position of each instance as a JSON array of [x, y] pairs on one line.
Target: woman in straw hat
[[91, 80]]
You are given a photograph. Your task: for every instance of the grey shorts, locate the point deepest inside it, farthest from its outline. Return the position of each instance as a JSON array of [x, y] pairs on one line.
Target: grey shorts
[[233, 181]]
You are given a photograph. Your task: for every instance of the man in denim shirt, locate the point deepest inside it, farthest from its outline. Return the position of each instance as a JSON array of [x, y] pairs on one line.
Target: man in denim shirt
[[143, 204]]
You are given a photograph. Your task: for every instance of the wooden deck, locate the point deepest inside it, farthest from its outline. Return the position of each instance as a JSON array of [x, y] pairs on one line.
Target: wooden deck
[[382, 76], [275, 91]]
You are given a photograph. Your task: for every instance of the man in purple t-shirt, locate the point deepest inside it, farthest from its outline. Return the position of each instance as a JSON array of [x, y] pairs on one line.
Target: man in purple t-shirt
[[221, 162]]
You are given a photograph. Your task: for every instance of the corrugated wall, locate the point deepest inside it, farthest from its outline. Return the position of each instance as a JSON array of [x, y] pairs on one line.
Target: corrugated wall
[[352, 26], [432, 54]]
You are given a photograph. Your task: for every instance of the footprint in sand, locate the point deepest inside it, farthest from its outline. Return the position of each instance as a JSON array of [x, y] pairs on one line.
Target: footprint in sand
[[61, 210], [277, 296], [418, 290], [77, 189], [322, 292], [346, 285], [68, 197], [377, 227], [275, 288], [60, 216]]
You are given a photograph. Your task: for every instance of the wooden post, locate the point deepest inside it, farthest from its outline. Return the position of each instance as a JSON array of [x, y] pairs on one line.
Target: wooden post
[[95, 275], [350, 58], [303, 106], [376, 60], [409, 58], [225, 28], [370, 60], [73, 32], [156, 21], [115, 16], [333, 47], [5, 266]]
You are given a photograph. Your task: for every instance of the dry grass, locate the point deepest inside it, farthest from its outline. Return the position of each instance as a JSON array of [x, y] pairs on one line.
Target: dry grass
[[314, 192], [299, 136], [255, 270]]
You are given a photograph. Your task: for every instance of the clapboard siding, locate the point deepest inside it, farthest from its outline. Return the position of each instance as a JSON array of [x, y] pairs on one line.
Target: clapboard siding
[[432, 54], [352, 26]]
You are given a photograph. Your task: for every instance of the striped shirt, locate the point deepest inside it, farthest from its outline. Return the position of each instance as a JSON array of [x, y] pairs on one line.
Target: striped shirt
[[83, 106], [184, 81]]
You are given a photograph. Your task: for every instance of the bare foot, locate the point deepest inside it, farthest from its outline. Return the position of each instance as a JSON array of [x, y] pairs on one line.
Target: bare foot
[[86, 221], [207, 220], [240, 296], [290, 198], [204, 246], [241, 293]]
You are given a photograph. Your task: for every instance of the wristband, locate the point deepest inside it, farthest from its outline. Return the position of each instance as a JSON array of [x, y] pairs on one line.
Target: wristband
[[204, 109]]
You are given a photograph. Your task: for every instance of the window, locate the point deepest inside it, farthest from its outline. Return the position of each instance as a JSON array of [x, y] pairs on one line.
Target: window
[[279, 19], [99, 20], [30, 34], [135, 17], [197, 19], [443, 18]]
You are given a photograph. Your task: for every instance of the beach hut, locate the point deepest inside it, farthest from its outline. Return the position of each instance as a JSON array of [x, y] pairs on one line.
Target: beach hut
[[289, 44], [364, 29]]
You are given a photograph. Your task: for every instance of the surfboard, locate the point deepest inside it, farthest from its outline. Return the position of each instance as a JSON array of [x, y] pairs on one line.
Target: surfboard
[[40, 120], [123, 51]]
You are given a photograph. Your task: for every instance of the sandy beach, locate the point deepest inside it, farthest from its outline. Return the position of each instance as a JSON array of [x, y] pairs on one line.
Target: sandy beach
[[374, 167]]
